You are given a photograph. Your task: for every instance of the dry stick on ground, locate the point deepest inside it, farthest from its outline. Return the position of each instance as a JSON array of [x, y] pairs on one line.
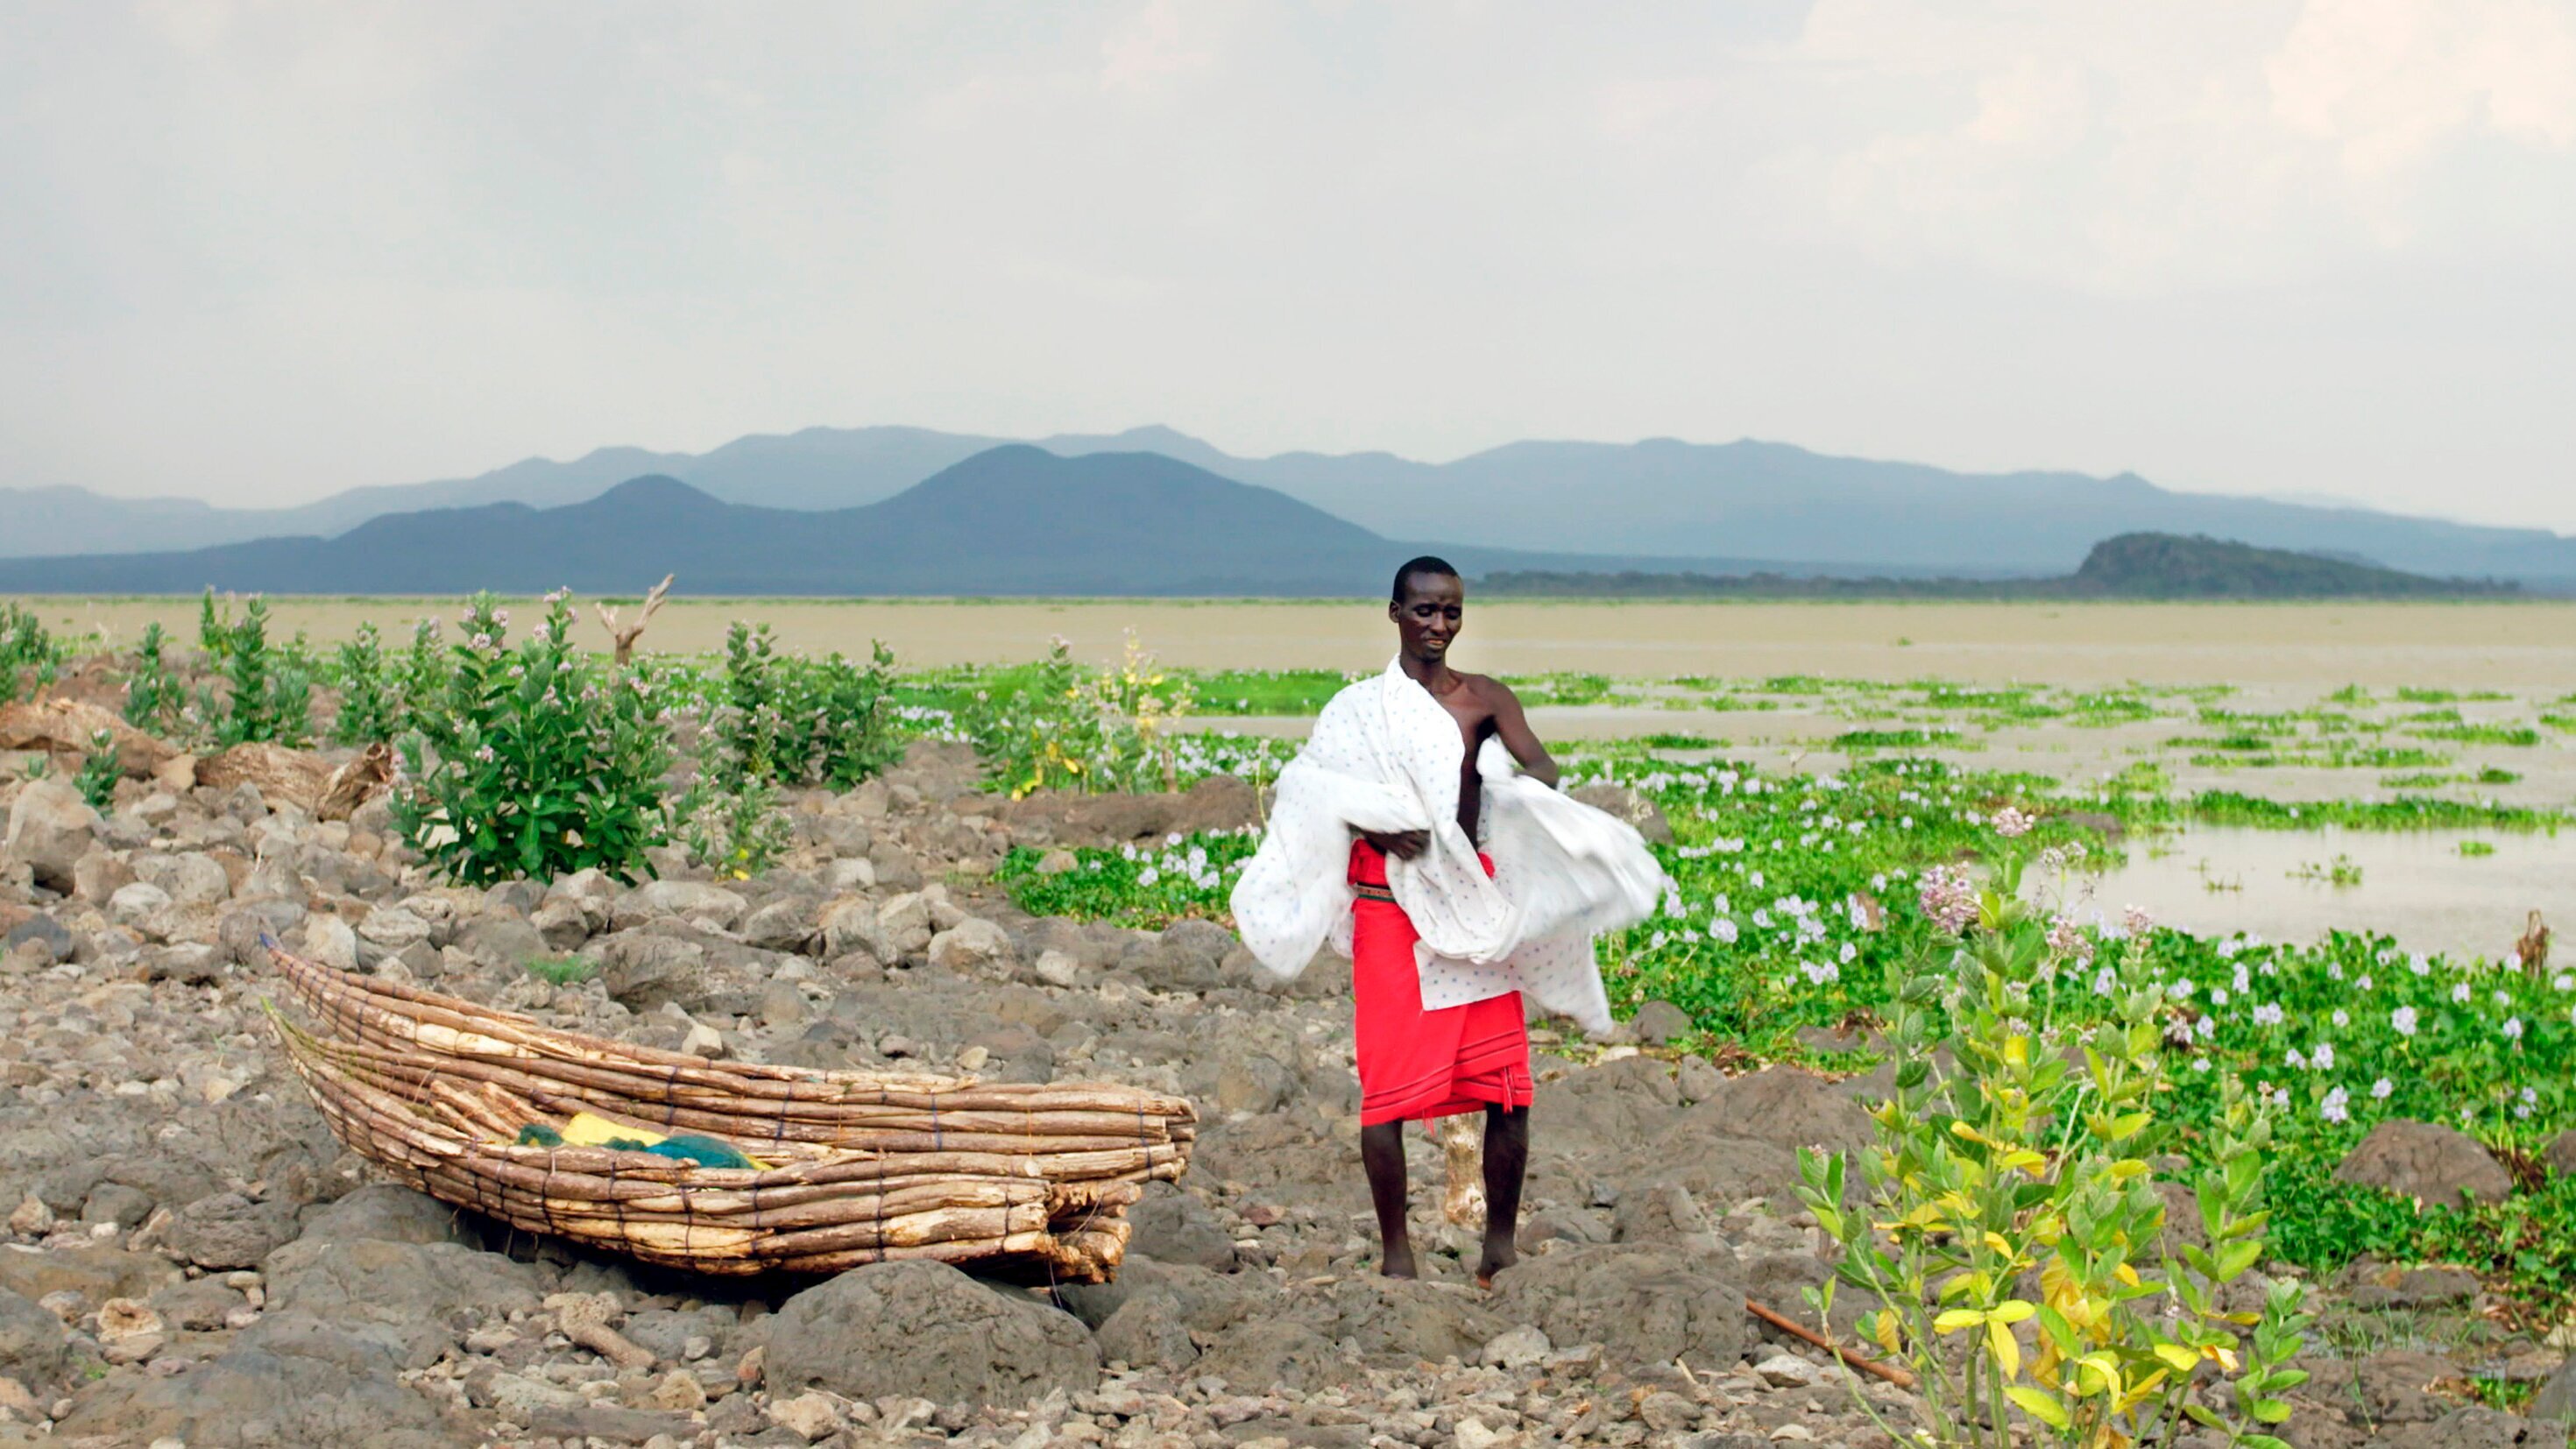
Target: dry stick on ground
[[1463, 1151], [623, 636], [1873, 1367]]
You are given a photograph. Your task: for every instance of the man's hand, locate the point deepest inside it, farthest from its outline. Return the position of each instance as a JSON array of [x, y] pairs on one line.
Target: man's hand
[[1402, 844]]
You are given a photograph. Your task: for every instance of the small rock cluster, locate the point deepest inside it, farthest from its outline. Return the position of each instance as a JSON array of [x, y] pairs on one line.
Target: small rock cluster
[[192, 1258]]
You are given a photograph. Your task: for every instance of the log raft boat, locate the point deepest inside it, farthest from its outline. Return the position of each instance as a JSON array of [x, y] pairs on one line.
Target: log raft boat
[[1024, 1180]]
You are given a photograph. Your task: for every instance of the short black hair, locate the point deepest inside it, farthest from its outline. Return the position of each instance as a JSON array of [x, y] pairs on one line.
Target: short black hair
[[1420, 564]]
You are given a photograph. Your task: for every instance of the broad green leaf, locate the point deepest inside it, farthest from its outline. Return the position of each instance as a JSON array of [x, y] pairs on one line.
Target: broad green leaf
[[2040, 1406]]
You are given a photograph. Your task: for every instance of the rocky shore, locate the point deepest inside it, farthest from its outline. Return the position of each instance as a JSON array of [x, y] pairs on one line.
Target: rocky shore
[[193, 1260]]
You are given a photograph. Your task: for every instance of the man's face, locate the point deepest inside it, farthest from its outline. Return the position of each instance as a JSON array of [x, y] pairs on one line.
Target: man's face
[[1429, 615]]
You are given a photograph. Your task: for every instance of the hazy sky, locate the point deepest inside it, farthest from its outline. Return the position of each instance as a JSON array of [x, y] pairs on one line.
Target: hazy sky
[[262, 251]]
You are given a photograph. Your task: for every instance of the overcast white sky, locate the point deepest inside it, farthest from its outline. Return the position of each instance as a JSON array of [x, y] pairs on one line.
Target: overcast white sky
[[261, 251]]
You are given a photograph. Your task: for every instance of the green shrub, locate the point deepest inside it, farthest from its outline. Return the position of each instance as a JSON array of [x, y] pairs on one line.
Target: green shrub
[[369, 710], [731, 822], [562, 970], [837, 726], [268, 690], [1064, 729], [535, 763], [154, 699], [27, 657], [100, 771], [2025, 1159], [797, 721], [421, 677], [214, 630]]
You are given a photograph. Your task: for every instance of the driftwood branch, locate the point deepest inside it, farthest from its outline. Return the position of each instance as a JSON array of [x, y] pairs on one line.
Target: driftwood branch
[[623, 636], [1872, 1367]]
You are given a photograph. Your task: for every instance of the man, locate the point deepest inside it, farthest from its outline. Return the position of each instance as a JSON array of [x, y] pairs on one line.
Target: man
[[1374, 843]]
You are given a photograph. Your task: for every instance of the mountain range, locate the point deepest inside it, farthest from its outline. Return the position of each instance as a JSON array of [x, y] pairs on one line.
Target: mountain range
[[1014, 519], [1784, 507]]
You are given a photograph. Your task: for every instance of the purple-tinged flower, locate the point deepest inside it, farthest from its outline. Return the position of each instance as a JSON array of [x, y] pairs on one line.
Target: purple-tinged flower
[[1949, 898]]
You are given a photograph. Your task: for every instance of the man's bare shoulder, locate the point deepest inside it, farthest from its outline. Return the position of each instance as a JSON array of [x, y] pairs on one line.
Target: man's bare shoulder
[[1496, 694]]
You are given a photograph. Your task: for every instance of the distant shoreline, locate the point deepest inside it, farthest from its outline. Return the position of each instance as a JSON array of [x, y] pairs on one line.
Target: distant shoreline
[[2527, 643], [446, 603]]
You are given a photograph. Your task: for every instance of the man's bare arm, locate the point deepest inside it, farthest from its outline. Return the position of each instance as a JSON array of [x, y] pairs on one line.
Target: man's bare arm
[[1513, 728]]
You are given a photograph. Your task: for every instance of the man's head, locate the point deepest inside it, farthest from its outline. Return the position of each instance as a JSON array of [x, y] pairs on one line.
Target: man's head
[[1428, 604]]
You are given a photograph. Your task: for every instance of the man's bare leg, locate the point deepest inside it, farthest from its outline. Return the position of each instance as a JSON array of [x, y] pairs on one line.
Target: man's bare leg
[[1506, 1161], [1382, 1155]]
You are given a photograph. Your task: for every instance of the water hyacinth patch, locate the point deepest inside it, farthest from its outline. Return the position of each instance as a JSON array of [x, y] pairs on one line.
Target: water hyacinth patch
[[1795, 892], [1145, 887]]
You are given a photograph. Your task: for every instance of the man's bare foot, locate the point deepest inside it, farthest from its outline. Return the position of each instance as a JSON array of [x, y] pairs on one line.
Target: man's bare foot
[[1398, 1262], [1497, 1257]]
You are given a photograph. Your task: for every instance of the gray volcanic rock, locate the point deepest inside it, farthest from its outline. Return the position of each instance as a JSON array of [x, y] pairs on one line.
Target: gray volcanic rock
[[1274, 1353], [50, 829], [1177, 1228], [385, 1212], [228, 1231], [33, 1346], [423, 1292], [925, 1329], [322, 1389], [1643, 1306], [2424, 1161], [1627, 805]]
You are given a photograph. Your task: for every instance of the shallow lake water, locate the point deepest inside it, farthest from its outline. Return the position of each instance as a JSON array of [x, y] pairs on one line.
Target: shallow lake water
[[2417, 886]]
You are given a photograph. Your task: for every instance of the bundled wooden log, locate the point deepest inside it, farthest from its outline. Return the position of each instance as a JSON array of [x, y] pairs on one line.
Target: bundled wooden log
[[848, 1167]]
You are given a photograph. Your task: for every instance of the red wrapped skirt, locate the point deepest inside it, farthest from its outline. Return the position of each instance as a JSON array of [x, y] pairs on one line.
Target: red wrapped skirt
[[1416, 1063]]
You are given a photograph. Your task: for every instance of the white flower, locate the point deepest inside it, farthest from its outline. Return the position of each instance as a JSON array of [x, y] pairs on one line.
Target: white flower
[[2512, 1028], [2460, 992], [2335, 1107], [2363, 983], [2341, 1018], [2298, 1061], [2563, 982], [2419, 966], [2324, 1058], [2268, 1014], [2218, 996], [2011, 823], [2403, 1018], [2381, 1088], [1148, 876], [1724, 930]]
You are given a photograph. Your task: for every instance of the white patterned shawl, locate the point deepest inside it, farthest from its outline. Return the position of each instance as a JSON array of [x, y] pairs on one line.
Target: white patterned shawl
[[1384, 757]]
